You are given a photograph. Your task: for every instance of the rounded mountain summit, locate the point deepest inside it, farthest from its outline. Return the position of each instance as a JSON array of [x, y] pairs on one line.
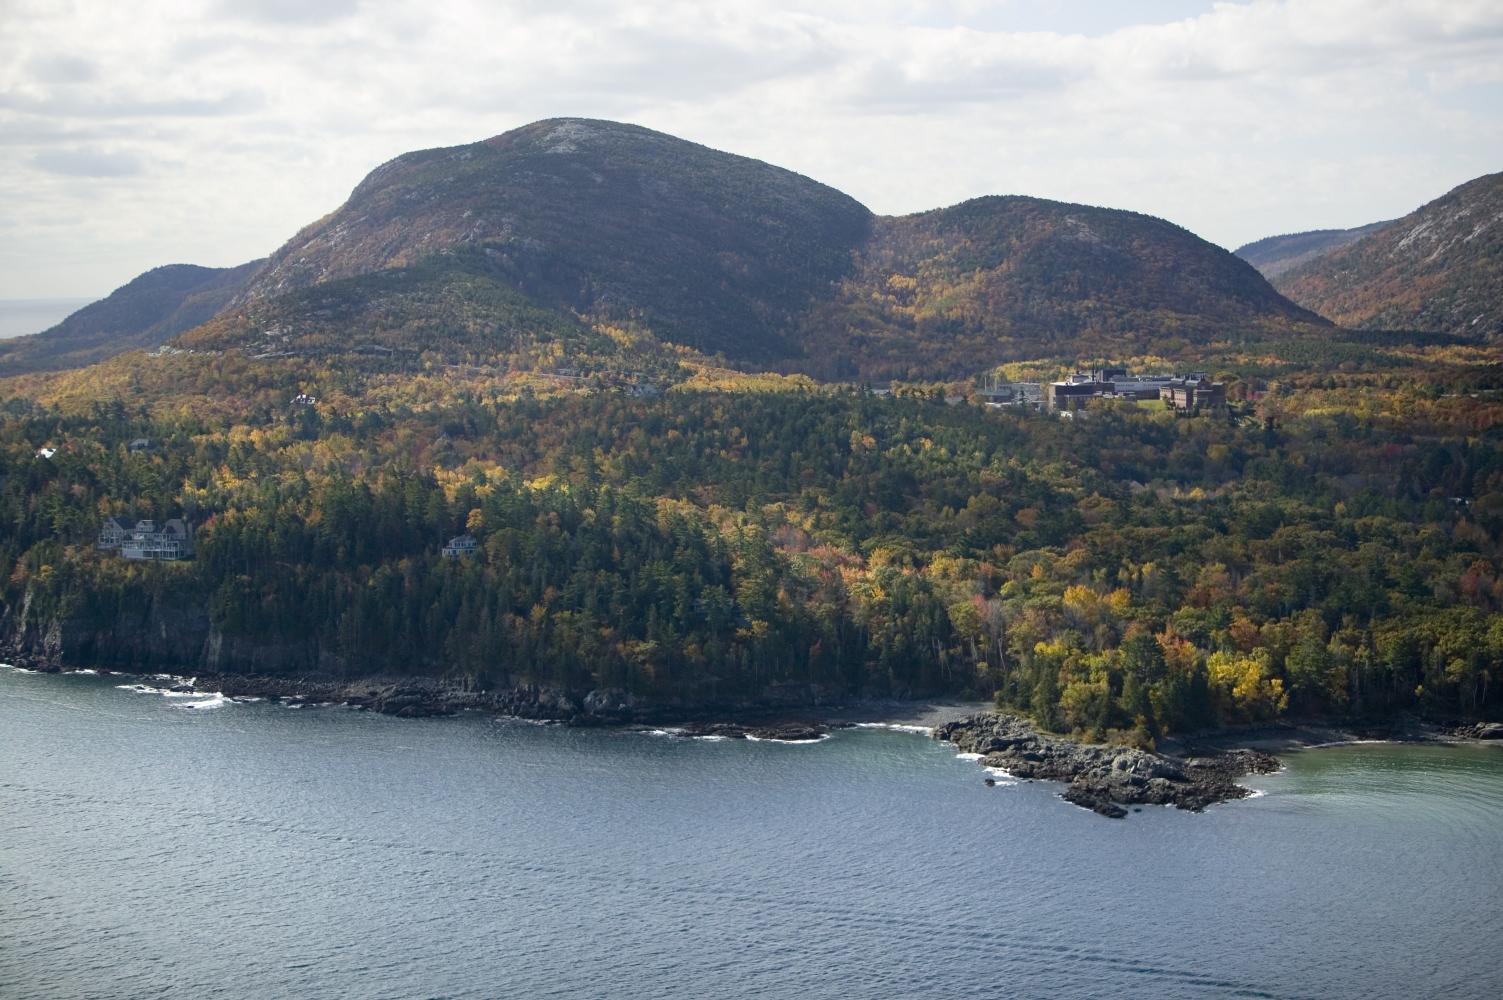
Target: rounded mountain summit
[[617, 222]]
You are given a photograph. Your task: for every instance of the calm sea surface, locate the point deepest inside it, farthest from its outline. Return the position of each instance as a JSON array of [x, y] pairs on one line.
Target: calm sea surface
[[189, 847], [19, 317]]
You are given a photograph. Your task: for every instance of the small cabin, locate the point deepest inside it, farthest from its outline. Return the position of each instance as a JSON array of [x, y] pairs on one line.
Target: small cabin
[[460, 546]]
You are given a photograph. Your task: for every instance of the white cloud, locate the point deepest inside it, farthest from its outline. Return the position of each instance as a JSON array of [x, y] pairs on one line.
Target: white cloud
[[83, 161], [210, 131]]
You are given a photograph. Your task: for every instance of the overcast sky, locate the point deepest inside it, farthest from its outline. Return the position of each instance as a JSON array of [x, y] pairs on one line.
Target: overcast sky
[[208, 131]]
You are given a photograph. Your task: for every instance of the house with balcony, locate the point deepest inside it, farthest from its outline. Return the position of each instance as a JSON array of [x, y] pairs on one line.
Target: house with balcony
[[460, 546], [114, 533], [145, 540]]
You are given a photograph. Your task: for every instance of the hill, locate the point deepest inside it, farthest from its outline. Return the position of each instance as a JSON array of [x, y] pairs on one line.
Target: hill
[[1274, 255], [1438, 269], [615, 222], [585, 234], [1001, 278], [451, 302], [143, 313], [621, 226]]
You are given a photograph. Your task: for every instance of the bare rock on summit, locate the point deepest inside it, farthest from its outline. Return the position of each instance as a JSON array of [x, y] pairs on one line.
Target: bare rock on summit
[[1439, 269]]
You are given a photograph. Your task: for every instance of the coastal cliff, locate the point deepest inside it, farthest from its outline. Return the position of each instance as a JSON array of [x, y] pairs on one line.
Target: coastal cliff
[[163, 633], [173, 635]]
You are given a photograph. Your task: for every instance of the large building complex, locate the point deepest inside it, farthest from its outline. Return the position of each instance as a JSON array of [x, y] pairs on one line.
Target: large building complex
[[1186, 393]]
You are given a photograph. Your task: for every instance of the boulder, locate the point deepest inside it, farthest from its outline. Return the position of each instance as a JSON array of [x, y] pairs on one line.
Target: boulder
[[1090, 798]]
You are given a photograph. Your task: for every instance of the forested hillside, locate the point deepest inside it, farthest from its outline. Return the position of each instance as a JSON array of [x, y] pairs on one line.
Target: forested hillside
[[615, 222], [1129, 570], [1274, 255], [451, 305], [1000, 279], [143, 313], [637, 372], [1440, 268]]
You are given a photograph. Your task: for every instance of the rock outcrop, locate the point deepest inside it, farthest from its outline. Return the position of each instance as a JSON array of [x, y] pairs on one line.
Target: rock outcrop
[[1104, 778], [1481, 731], [427, 697], [1438, 269]]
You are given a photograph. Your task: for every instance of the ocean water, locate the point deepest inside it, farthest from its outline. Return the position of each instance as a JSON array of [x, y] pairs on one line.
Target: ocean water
[[19, 317], [199, 847]]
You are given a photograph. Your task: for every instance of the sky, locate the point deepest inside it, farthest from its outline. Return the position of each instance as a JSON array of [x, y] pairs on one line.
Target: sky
[[209, 131]]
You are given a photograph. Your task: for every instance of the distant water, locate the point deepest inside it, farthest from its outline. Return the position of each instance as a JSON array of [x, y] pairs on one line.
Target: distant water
[[18, 317], [193, 847]]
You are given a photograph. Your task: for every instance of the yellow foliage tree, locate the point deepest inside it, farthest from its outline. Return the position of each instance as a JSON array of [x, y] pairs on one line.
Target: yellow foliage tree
[[1244, 686]]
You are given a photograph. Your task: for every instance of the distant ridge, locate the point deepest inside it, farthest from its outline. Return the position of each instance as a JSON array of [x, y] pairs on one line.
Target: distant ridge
[[1274, 255], [143, 313], [1438, 269]]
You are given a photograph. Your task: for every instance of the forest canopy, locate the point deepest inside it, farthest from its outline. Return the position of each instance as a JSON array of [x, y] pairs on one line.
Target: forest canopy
[[1329, 546]]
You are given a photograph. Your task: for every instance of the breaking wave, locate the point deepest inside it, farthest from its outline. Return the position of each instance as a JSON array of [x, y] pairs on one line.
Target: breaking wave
[[215, 700], [897, 727]]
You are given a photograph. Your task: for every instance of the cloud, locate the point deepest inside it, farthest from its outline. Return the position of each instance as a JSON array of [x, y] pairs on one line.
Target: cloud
[[928, 69], [238, 121], [289, 11], [85, 162], [63, 68], [66, 105]]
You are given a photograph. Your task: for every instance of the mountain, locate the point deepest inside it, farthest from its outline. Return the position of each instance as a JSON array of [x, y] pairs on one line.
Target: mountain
[[143, 313], [1438, 269], [452, 299], [1274, 255], [584, 234], [616, 222], [997, 278], [618, 225]]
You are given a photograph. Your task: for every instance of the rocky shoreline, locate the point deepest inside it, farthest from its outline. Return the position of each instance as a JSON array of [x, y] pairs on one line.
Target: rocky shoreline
[[1106, 779], [423, 698]]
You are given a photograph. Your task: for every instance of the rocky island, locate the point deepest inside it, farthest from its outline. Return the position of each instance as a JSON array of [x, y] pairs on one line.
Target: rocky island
[[1104, 778]]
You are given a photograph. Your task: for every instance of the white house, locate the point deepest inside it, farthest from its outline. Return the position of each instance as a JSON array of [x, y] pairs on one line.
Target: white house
[[460, 546], [173, 540]]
